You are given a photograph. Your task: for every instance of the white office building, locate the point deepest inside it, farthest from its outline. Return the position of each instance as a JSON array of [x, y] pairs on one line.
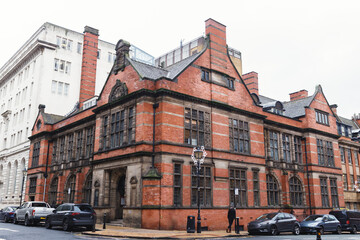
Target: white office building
[[45, 70]]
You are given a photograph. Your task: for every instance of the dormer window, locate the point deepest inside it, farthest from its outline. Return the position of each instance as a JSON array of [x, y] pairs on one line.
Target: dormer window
[[322, 117]]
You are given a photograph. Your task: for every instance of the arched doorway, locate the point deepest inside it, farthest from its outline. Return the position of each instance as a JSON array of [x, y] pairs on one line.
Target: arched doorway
[[120, 197]]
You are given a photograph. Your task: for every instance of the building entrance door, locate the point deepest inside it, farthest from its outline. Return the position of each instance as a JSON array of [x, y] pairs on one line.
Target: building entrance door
[[120, 197]]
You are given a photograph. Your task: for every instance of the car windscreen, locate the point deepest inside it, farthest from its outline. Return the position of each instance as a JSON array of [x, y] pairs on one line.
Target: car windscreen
[[39, 205], [82, 208], [12, 208], [314, 218], [266, 216]]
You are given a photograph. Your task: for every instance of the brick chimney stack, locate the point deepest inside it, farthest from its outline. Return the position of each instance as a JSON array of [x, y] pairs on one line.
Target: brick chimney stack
[[252, 82], [88, 66], [334, 108], [298, 95], [218, 49]]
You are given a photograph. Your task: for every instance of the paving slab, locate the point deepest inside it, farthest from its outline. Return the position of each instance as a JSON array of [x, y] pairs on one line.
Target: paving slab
[[126, 232]]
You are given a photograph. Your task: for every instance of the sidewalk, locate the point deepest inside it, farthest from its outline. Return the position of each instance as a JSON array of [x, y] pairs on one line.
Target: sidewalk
[[125, 232]]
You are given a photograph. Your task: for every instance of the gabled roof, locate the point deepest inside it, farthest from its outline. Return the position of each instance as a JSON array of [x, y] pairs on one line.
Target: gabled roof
[[292, 109], [171, 72], [348, 122]]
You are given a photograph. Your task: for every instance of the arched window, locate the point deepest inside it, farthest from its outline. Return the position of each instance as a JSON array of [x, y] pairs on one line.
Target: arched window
[[8, 178], [69, 191], [87, 189], [15, 176], [273, 193], [53, 192], [296, 194]]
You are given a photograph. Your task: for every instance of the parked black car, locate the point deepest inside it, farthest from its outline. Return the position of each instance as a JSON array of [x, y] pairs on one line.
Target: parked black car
[[274, 223], [327, 223], [69, 215], [349, 220], [7, 214]]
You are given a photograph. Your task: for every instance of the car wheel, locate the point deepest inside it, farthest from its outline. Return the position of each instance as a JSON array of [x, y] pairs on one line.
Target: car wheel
[[273, 230], [47, 223], [296, 230], [15, 221], [322, 230], [353, 230], [338, 230], [66, 225], [90, 228], [27, 221]]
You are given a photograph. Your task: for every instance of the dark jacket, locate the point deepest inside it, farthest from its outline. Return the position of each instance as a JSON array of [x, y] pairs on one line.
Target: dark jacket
[[231, 213]]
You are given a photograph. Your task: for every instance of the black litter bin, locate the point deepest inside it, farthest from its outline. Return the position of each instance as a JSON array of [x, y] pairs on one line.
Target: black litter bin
[[190, 227]]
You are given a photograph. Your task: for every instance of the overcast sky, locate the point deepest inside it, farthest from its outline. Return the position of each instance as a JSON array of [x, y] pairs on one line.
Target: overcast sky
[[292, 45]]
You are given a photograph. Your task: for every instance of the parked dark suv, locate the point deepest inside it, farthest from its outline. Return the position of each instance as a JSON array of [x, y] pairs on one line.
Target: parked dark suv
[[349, 220], [274, 223], [69, 215]]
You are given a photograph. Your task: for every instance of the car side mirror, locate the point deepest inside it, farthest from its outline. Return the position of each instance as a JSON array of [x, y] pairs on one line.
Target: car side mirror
[[54, 211]]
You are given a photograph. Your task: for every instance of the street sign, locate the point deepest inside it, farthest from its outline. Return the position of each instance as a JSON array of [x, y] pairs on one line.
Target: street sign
[[236, 191]]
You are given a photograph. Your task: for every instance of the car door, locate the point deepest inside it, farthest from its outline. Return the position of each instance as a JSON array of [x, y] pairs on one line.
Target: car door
[[291, 219], [55, 218], [62, 214], [2, 213], [326, 223], [333, 223], [21, 211], [281, 222]]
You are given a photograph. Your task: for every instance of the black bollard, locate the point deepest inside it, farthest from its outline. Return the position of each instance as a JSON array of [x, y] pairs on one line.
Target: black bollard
[[318, 233], [104, 220], [237, 230]]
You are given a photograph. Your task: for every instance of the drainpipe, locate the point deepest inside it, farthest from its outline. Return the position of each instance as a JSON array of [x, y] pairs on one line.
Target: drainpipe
[[307, 176], [46, 170], [155, 106]]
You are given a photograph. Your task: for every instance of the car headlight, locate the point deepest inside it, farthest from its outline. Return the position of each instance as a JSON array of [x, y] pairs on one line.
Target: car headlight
[[313, 224]]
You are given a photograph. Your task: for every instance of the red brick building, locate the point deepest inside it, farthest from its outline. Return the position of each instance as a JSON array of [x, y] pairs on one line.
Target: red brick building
[[128, 151]]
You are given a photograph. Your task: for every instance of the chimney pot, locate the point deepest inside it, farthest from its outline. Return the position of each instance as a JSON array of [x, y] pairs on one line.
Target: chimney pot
[[41, 108]]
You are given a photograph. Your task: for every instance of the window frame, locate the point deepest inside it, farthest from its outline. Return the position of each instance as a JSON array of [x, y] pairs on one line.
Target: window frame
[[324, 192], [36, 154], [197, 132], [238, 179], [239, 136], [322, 117], [205, 175], [286, 145], [334, 193], [296, 192], [177, 178], [273, 194], [274, 145]]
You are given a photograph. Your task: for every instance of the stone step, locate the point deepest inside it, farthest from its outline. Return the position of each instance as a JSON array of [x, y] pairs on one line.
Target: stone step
[[117, 222]]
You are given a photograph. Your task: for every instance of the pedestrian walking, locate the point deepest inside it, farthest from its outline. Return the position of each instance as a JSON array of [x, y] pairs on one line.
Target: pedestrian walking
[[231, 216]]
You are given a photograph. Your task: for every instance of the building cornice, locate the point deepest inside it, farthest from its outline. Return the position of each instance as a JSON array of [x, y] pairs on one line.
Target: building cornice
[[165, 92], [25, 57]]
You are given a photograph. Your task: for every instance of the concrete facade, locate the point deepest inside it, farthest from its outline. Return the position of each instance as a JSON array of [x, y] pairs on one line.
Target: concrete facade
[[45, 70]]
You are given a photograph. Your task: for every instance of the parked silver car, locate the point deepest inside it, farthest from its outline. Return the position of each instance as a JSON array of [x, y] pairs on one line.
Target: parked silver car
[[32, 213]]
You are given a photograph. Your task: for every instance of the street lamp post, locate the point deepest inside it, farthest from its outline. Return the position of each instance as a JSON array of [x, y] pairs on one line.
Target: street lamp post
[[22, 185], [198, 157]]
